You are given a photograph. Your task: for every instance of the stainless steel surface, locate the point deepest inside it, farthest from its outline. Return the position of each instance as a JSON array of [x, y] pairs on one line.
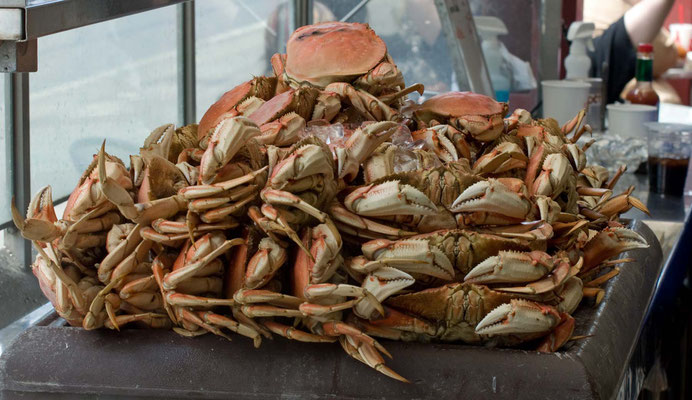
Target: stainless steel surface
[[464, 46], [43, 18], [186, 62], [17, 126], [18, 56]]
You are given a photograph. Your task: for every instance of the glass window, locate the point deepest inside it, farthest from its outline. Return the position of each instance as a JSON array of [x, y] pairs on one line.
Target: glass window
[[115, 80], [413, 34], [234, 42]]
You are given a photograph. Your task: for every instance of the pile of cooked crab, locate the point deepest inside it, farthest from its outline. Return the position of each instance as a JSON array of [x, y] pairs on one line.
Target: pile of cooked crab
[[322, 205]]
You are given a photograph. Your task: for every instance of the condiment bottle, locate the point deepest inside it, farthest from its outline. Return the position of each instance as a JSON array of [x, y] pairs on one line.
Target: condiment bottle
[[643, 92]]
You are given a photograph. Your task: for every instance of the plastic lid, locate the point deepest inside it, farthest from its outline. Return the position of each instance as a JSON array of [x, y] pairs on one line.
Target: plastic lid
[[645, 48]]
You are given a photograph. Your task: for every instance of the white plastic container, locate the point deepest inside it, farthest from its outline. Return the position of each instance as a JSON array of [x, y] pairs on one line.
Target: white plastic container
[[627, 120], [578, 62], [682, 34], [562, 100]]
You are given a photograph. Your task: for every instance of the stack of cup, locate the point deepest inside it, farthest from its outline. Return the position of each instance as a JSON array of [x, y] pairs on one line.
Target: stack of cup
[[562, 100]]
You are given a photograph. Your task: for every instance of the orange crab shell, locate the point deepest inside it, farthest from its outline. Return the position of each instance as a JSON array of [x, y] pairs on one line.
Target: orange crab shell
[[332, 52], [456, 104], [262, 87]]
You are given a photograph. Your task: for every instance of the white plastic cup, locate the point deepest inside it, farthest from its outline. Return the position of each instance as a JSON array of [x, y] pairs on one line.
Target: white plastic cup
[[562, 100], [682, 35], [627, 120]]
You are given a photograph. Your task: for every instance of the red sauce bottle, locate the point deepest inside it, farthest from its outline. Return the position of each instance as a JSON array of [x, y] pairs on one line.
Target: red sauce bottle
[[643, 92]]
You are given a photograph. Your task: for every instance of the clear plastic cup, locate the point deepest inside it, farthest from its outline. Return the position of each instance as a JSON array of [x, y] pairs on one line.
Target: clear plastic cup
[[669, 157]]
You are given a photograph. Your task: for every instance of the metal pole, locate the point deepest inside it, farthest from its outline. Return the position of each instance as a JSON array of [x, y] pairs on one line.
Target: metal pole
[[17, 128], [302, 13], [355, 9], [551, 37], [464, 46], [186, 63]]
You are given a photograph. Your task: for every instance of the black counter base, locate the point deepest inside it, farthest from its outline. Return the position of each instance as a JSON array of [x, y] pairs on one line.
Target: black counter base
[[68, 362]]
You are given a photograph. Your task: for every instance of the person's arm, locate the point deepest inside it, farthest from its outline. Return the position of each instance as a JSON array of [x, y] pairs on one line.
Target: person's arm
[[645, 19]]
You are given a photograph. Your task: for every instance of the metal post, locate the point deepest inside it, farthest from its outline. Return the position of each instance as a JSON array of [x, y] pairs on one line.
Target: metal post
[[186, 63], [302, 13], [551, 37], [355, 9], [17, 128], [464, 46]]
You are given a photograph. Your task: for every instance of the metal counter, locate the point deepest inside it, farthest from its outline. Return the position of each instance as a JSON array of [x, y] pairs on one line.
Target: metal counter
[[626, 336]]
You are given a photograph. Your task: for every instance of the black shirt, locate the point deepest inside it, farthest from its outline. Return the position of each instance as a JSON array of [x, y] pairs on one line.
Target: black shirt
[[615, 48]]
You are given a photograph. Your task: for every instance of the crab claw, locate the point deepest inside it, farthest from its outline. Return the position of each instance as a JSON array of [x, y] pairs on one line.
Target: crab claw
[[40, 218], [229, 136], [510, 266], [306, 160], [283, 131], [546, 208], [381, 283], [414, 256], [519, 317], [608, 243], [553, 179], [435, 140], [389, 198], [360, 145], [492, 196], [504, 157]]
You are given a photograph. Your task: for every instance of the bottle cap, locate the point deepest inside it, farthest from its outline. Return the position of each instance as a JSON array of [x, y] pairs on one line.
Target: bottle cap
[[645, 48]]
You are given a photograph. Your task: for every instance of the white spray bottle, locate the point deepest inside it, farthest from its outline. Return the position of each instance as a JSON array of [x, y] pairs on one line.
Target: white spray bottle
[[578, 63], [490, 28]]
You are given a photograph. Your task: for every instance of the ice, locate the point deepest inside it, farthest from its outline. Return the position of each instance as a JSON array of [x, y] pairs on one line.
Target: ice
[[330, 134], [405, 160], [402, 136], [611, 151]]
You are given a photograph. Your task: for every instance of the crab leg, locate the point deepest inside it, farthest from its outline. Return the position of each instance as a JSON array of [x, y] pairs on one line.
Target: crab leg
[[202, 191], [129, 263], [327, 290], [172, 279], [142, 213], [359, 224], [234, 326], [152, 320], [265, 263], [292, 333], [608, 243], [368, 355]]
